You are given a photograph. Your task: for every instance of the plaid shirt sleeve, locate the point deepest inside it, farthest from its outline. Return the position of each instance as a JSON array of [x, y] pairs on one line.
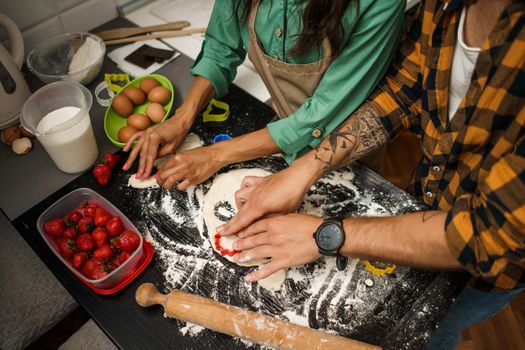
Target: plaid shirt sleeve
[[398, 96], [481, 155], [486, 230]]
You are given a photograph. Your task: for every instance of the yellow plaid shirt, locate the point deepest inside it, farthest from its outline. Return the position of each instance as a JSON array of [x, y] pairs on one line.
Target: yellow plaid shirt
[[473, 165]]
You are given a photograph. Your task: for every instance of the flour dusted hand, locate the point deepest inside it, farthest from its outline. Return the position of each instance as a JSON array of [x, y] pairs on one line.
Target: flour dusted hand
[[156, 141], [219, 207], [189, 168], [278, 193], [190, 142], [286, 239]]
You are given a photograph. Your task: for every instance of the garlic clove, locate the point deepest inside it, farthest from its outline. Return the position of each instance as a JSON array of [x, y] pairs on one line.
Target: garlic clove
[[22, 146]]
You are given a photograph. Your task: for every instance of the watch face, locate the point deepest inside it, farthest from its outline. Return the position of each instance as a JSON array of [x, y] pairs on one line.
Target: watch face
[[330, 237]]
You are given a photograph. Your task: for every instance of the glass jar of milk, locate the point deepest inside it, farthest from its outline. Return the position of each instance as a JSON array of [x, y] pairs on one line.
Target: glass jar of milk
[[58, 114]]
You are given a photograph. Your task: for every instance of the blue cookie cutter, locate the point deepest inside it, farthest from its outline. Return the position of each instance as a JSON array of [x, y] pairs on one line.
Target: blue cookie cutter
[[221, 137]]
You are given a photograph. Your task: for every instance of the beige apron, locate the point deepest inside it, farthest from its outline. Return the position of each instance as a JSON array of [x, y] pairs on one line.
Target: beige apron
[[290, 85]]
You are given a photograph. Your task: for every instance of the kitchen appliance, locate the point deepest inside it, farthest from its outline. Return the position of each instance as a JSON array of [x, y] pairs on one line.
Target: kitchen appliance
[[13, 87]]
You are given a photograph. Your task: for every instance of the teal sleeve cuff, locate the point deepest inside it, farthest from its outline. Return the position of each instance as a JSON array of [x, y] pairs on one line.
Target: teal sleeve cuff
[[207, 68], [346, 84], [288, 139]]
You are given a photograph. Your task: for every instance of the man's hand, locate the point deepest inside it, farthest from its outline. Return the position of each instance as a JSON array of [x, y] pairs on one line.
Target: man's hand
[[189, 168], [358, 136], [280, 193], [416, 239], [287, 240]]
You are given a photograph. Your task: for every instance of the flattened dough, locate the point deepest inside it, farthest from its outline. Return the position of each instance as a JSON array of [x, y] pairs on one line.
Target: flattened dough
[[139, 183], [221, 198], [273, 282]]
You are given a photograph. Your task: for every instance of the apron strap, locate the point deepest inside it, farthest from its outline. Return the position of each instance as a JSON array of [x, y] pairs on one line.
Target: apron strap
[[281, 106], [327, 49], [270, 70], [253, 14]]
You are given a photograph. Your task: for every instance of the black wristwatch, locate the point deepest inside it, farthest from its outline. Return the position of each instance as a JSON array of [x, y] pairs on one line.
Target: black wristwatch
[[330, 237]]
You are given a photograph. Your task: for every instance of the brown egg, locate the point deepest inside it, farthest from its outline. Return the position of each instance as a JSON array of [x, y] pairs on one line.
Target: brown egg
[[155, 112], [122, 105], [135, 95], [139, 121], [125, 133], [147, 84], [160, 95]]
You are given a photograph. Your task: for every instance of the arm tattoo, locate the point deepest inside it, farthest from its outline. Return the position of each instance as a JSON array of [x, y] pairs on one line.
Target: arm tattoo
[[359, 135]]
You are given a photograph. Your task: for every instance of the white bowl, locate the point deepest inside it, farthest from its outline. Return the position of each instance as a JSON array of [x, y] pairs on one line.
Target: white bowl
[[52, 60]]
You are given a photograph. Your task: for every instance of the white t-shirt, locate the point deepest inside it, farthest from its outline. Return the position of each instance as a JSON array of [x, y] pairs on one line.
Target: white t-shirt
[[463, 64]]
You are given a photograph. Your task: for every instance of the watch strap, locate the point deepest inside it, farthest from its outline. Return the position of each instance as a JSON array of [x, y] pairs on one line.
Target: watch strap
[[341, 262]]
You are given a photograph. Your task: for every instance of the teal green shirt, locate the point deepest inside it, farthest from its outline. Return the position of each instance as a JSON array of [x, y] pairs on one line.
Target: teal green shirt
[[369, 44]]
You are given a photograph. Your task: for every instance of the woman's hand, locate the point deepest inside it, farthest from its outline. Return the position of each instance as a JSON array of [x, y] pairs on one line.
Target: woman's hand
[[280, 193], [163, 139], [157, 141], [288, 240], [189, 168]]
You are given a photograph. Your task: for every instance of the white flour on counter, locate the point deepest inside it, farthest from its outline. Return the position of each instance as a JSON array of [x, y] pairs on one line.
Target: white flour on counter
[[352, 303], [191, 329], [324, 290]]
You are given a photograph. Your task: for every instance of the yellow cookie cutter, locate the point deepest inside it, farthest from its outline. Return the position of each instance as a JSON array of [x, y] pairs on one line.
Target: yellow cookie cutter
[[207, 116], [379, 271], [111, 79]]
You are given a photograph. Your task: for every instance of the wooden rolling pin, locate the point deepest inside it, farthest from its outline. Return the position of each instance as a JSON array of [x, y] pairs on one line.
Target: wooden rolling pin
[[237, 322], [158, 35], [120, 33]]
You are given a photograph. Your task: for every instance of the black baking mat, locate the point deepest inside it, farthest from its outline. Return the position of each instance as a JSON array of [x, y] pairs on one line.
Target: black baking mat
[[399, 311], [401, 308]]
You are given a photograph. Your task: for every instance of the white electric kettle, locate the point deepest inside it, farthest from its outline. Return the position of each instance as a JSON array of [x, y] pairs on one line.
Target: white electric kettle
[[13, 87]]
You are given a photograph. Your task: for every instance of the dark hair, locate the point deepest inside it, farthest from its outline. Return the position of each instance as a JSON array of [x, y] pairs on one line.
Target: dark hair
[[321, 18]]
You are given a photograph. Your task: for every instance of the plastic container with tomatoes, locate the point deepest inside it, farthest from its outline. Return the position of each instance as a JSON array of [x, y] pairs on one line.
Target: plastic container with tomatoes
[[73, 201]]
